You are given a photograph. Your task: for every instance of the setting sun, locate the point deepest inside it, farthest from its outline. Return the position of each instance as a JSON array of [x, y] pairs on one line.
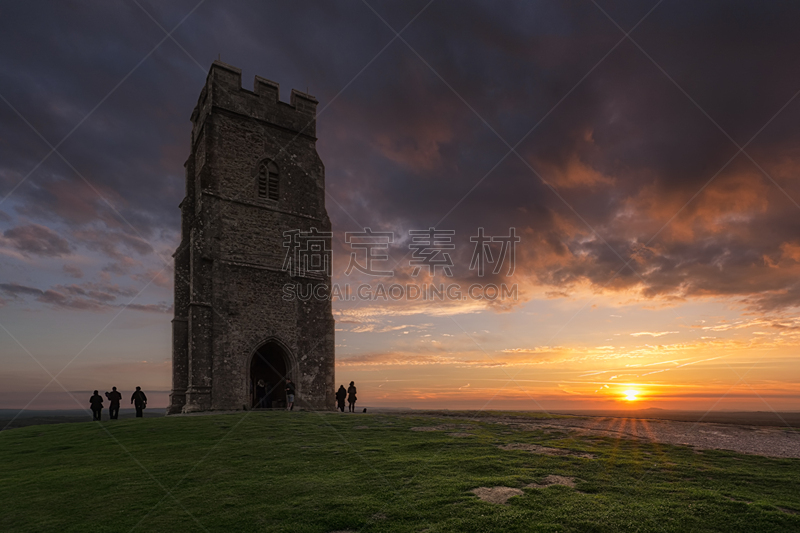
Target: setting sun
[[631, 395]]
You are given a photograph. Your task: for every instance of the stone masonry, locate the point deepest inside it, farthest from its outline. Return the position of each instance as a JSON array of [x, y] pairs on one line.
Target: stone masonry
[[252, 175]]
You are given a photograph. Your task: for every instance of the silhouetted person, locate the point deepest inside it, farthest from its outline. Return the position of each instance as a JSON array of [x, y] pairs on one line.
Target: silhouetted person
[[96, 401], [261, 393], [289, 394], [351, 396], [341, 394], [114, 397], [139, 401]]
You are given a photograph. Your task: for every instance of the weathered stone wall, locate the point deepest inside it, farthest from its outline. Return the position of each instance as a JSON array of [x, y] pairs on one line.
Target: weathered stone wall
[[228, 276]]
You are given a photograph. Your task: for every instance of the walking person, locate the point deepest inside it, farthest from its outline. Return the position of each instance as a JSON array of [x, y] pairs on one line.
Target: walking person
[[351, 396], [139, 401], [289, 394], [341, 394], [113, 408], [96, 401], [261, 393]]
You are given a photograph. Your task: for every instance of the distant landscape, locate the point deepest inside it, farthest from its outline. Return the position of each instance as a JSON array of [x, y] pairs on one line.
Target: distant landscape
[[17, 418], [22, 418]]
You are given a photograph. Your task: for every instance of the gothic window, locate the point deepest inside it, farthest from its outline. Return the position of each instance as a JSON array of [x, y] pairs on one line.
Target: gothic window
[[268, 181]]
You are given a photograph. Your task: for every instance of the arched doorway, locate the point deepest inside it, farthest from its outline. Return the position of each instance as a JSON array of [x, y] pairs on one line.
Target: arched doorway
[[270, 363]]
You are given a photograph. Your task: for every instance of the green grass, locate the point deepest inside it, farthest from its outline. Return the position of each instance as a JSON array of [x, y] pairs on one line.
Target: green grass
[[320, 472]]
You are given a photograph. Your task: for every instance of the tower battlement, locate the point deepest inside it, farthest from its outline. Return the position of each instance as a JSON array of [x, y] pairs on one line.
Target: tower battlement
[[223, 90]]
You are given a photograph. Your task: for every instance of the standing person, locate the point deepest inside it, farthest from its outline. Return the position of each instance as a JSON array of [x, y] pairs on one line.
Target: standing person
[[351, 396], [341, 394], [96, 401], [261, 393], [113, 408], [289, 394], [139, 401]]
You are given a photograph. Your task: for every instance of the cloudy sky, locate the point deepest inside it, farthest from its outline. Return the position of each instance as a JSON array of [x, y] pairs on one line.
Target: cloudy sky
[[646, 154]]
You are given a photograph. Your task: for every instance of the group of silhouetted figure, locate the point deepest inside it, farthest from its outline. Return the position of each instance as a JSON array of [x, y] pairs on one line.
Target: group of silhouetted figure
[[263, 399], [138, 399], [350, 395], [264, 394]]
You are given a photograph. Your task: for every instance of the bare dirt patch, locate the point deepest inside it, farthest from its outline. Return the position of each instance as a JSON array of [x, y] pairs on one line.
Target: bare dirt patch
[[553, 480], [498, 495], [544, 450], [751, 436], [783, 442], [444, 427], [440, 427]]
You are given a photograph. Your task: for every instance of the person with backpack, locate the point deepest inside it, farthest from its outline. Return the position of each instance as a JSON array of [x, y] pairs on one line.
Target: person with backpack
[[139, 401], [341, 394], [96, 402]]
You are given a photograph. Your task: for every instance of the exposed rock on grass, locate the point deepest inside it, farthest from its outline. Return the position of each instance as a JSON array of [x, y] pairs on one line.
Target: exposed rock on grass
[[498, 495], [553, 480], [544, 450]]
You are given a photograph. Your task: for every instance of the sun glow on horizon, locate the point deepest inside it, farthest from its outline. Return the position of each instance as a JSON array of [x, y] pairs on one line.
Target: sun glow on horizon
[[631, 395]]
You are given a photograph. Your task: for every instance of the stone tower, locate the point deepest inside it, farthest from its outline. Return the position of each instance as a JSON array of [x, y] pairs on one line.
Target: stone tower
[[253, 175]]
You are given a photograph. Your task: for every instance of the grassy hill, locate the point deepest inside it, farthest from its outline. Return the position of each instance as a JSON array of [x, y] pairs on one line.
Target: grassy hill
[[322, 472]]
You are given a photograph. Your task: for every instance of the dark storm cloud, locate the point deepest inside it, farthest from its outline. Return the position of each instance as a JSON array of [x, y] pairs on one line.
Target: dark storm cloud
[[152, 308], [59, 63], [15, 289], [102, 293], [625, 152], [408, 147], [72, 271], [34, 239], [88, 296], [113, 244]]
